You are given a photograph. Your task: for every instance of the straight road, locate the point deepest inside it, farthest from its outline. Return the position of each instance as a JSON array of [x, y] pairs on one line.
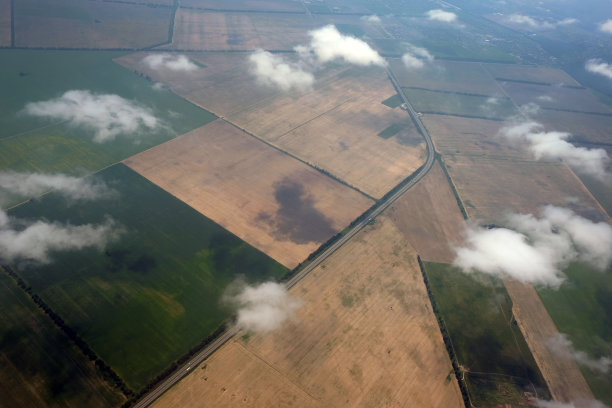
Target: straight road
[[231, 332]]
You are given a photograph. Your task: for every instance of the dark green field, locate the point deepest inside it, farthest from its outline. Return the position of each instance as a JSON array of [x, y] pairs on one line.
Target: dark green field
[[393, 101], [477, 312], [154, 294], [39, 366], [35, 144], [450, 103], [582, 309]]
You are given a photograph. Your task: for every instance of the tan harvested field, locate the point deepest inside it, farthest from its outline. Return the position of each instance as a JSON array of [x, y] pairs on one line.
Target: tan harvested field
[[562, 375], [583, 126], [366, 336], [247, 5], [429, 217], [89, 24], [279, 205], [454, 135], [5, 23], [554, 97], [530, 73], [489, 188], [335, 126], [456, 76], [215, 31]]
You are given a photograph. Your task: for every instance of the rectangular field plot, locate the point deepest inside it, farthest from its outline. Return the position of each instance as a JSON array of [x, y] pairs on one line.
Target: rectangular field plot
[[454, 135], [451, 103], [430, 218], [216, 31], [366, 336], [149, 297], [335, 126], [530, 73], [274, 202], [516, 186], [30, 143], [477, 312], [5, 23], [555, 97], [581, 308], [39, 365], [89, 24], [455, 76], [285, 6]]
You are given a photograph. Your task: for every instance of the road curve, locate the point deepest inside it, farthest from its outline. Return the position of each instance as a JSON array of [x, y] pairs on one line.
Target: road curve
[[149, 398]]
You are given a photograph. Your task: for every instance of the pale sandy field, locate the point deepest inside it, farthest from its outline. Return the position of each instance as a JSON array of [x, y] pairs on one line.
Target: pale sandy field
[[272, 201], [365, 337]]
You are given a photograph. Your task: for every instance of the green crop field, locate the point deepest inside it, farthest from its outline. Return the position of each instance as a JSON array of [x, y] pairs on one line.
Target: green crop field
[[582, 309], [147, 299], [393, 101], [37, 144], [450, 103], [477, 312], [38, 364]]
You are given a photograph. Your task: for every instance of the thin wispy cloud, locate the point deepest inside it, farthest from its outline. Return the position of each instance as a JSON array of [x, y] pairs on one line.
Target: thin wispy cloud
[[107, 115], [579, 403], [538, 24], [371, 19], [536, 250], [37, 241], [441, 15], [36, 184], [272, 70], [554, 145], [561, 345], [172, 62], [599, 67], [416, 57], [261, 308]]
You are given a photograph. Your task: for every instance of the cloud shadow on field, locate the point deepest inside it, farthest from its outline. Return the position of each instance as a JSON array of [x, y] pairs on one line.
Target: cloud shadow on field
[[297, 218]]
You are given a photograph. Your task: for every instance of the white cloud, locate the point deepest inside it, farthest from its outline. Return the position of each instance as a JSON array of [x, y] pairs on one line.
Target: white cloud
[[328, 44], [536, 24], [545, 98], [36, 241], [272, 70], [107, 115], [441, 15], [579, 403], [169, 61], [597, 66], [261, 308], [535, 250], [561, 345], [36, 184], [554, 145], [371, 19], [416, 57], [606, 27]]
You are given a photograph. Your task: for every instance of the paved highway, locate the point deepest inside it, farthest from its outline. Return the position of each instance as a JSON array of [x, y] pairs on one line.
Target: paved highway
[[211, 348]]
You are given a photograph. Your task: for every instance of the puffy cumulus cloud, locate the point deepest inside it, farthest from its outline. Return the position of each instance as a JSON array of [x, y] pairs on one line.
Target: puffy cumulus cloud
[[597, 66], [606, 26], [416, 57], [580, 403], [561, 345], [441, 15], [169, 61], [261, 308], [36, 241], [36, 184], [107, 115], [529, 109], [554, 145], [272, 70], [535, 250], [328, 44], [371, 19]]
